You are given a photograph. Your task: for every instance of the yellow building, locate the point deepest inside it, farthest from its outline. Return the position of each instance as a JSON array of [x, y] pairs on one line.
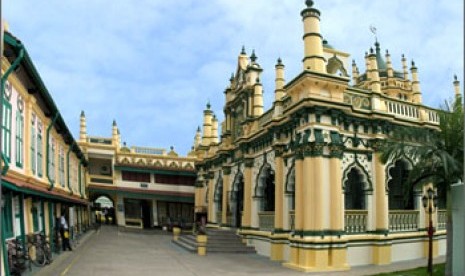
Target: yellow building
[[43, 169], [302, 181], [148, 187]]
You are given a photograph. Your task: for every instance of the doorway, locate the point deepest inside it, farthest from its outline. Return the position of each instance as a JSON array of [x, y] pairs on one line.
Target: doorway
[[146, 207]]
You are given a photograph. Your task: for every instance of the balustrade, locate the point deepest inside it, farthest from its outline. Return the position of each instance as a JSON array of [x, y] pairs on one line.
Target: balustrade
[[355, 221], [442, 219], [266, 221], [403, 220]]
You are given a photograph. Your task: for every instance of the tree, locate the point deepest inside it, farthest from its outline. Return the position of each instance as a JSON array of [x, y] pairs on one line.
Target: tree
[[438, 155]]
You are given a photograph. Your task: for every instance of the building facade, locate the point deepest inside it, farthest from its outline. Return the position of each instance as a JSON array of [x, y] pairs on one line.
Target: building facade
[[303, 181], [149, 187], [43, 169]]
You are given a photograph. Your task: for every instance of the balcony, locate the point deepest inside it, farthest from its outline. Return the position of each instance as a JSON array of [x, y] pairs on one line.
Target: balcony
[[100, 179]]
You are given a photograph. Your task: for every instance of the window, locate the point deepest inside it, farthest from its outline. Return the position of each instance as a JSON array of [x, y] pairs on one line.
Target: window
[[175, 179], [39, 150], [19, 138], [135, 176], [61, 166], [6, 127], [33, 144]]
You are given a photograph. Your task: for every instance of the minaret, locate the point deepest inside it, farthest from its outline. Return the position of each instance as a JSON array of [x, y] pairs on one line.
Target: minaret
[[367, 67], [214, 130], [375, 84], [313, 44], [114, 133], [404, 67], [415, 84], [354, 73], [207, 126], [279, 81], [257, 99], [197, 138], [390, 70], [457, 87], [83, 128]]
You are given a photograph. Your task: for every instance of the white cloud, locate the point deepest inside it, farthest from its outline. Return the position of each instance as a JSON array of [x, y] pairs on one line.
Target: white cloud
[[153, 65]]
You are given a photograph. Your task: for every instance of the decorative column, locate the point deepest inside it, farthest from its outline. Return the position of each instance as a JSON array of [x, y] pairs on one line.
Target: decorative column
[[224, 212], [277, 239], [298, 209], [381, 249], [338, 256], [210, 198], [247, 213]]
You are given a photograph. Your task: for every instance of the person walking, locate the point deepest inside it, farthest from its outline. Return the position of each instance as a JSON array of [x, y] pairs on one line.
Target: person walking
[[64, 231]]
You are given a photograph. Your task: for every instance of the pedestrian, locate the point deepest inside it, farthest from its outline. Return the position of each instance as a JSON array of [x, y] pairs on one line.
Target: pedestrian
[[64, 231]]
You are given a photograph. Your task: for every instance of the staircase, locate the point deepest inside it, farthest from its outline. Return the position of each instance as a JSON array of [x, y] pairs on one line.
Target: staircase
[[219, 241]]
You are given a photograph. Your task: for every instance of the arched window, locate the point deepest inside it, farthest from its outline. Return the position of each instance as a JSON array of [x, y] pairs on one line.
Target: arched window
[[354, 191], [290, 188], [265, 189], [400, 192]]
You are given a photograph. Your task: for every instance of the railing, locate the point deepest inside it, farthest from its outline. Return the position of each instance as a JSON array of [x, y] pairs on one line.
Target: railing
[[442, 219], [355, 221], [403, 220], [266, 221], [432, 116], [101, 179], [292, 220], [402, 109], [265, 118]]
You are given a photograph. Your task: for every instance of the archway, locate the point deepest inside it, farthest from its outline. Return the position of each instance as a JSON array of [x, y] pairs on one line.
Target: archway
[[401, 195], [218, 199], [104, 209], [354, 191], [237, 200], [265, 189]]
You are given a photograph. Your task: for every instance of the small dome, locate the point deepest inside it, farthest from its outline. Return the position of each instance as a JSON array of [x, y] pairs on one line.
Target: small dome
[[327, 45]]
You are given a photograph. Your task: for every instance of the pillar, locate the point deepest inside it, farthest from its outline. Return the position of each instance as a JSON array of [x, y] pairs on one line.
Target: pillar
[[313, 44], [248, 186], [277, 248], [226, 179]]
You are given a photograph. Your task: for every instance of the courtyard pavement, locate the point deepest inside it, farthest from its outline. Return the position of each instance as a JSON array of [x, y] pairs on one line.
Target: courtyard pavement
[[114, 251]]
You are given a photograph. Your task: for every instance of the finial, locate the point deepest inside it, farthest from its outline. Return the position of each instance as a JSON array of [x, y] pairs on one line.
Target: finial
[[171, 148], [455, 78], [114, 122], [413, 63], [325, 41], [387, 52], [353, 62], [243, 50], [232, 77], [403, 57], [124, 143], [253, 57], [214, 117], [208, 105], [366, 54], [371, 50], [198, 129], [309, 3], [257, 80], [82, 113], [280, 62]]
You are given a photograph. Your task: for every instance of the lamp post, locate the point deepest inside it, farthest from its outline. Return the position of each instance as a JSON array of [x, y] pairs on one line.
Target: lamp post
[[430, 202]]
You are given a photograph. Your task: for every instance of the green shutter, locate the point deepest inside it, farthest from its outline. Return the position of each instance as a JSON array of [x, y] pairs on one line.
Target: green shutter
[[39, 155], [8, 215], [19, 139], [33, 149], [6, 127], [35, 216]]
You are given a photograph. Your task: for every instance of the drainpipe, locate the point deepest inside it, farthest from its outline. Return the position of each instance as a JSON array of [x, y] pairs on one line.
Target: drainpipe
[[67, 162], [13, 66], [52, 183]]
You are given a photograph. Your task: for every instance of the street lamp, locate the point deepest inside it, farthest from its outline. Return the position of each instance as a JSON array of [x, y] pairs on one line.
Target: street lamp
[[430, 202]]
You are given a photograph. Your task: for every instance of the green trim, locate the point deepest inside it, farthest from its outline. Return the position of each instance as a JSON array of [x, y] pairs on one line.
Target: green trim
[[42, 205], [320, 233], [67, 172], [51, 219], [47, 153], [19, 139], [21, 220], [155, 171], [144, 195]]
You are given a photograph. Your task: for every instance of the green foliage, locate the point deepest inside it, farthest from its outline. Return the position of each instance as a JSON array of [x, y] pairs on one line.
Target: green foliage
[[420, 271], [437, 154]]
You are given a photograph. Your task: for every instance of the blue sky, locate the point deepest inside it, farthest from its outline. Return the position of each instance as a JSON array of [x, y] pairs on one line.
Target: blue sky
[[152, 65]]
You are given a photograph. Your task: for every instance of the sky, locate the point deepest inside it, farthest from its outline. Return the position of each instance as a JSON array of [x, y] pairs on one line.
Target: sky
[[152, 65]]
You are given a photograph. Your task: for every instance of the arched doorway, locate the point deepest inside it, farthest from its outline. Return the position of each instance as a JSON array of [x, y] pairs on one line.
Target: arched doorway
[[104, 209], [237, 200], [401, 194], [265, 189], [354, 191]]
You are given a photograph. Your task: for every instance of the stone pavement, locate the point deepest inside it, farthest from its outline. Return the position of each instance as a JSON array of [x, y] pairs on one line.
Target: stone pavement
[[111, 251]]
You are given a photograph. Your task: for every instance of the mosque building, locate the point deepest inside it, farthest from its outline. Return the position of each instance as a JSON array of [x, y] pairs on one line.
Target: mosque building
[[302, 182]]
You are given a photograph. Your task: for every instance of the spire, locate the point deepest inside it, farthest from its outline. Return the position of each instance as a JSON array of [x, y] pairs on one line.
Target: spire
[[243, 50], [279, 80], [313, 45], [354, 72], [457, 87], [415, 84], [404, 67], [390, 70], [114, 133], [82, 127], [374, 72], [207, 126], [253, 57], [197, 138]]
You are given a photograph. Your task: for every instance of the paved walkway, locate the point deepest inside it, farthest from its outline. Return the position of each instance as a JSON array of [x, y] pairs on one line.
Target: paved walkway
[[110, 251]]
